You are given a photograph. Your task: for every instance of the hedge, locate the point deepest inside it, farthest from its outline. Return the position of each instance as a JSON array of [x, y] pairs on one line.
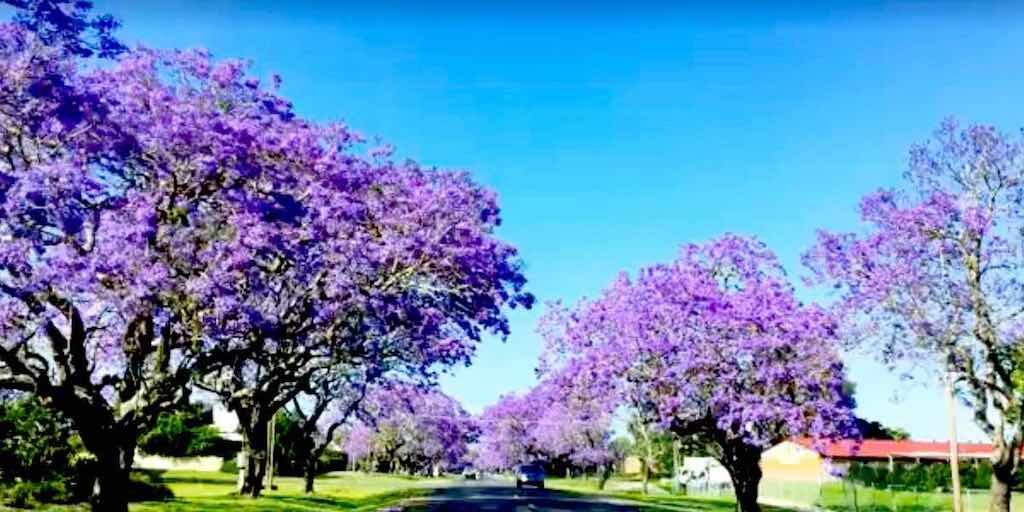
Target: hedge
[[921, 477]]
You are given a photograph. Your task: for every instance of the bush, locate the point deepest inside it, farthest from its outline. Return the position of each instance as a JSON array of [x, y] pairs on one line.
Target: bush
[[230, 465], [147, 486], [183, 433], [921, 477], [32, 494], [938, 477], [333, 460], [34, 441]]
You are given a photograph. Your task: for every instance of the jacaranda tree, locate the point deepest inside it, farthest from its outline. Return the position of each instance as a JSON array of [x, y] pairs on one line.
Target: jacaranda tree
[[714, 343], [319, 413], [91, 320], [507, 436], [547, 423], [936, 277], [389, 266], [410, 428], [169, 218]]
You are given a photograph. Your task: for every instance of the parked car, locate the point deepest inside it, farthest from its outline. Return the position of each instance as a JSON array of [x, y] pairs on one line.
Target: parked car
[[530, 474], [470, 473]]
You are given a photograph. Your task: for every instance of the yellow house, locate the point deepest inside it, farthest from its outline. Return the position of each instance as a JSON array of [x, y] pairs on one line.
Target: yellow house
[[792, 461], [804, 460]]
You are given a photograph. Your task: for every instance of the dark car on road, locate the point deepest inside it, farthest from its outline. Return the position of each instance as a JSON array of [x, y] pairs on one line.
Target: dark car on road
[[530, 474]]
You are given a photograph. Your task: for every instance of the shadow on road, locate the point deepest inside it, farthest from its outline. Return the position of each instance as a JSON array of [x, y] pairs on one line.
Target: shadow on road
[[505, 497]]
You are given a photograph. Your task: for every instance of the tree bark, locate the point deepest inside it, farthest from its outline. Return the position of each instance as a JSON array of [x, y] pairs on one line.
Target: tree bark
[[110, 488], [606, 473], [254, 431], [743, 461], [999, 500], [310, 468], [1004, 469]]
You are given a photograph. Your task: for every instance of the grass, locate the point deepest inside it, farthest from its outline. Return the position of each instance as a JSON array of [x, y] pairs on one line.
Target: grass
[[839, 496], [195, 491], [831, 496], [659, 501]]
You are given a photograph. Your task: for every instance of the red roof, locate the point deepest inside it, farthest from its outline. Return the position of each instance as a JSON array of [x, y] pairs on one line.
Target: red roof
[[883, 449]]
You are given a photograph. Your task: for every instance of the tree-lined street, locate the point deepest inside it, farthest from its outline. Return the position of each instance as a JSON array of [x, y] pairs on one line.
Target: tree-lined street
[[215, 293]]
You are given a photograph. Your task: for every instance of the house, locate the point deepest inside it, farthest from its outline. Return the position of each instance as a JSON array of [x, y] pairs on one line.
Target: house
[[805, 460], [703, 473]]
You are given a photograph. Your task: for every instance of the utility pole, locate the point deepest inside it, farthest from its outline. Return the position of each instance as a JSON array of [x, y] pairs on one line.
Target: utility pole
[[954, 455]]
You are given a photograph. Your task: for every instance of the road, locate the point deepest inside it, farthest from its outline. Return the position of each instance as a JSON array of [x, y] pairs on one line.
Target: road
[[497, 495]]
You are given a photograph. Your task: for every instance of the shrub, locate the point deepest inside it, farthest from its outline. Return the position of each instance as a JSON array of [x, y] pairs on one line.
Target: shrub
[[183, 433], [147, 486], [938, 477], [32, 494], [230, 465], [34, 441]]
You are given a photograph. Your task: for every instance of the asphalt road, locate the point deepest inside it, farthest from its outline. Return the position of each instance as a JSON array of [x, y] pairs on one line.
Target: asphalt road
[[497, 495]]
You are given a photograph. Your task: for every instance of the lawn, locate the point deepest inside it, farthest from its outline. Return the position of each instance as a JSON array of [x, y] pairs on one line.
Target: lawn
[[195, 491], [662, 501], [830, 496], [837, 496]]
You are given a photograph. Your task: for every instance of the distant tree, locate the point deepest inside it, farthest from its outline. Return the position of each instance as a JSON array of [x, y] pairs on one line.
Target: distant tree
[[546, 423], [182, 432], [875, 430], [317, 415]]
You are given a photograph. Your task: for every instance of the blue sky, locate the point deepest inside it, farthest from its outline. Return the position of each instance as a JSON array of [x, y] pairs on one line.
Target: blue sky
[[613, 136]]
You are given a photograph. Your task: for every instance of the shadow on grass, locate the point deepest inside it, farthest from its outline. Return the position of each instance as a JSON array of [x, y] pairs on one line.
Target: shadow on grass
[[287, 503], [885, 508]]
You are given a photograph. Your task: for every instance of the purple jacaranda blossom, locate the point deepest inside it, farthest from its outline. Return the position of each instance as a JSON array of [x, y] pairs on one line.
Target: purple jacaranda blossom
[[411, 428], [714, 343], [167, 219], [934, 279], [547, 423]]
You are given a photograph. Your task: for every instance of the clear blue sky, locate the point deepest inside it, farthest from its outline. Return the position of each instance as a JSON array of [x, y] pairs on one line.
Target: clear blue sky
[[613, 133]]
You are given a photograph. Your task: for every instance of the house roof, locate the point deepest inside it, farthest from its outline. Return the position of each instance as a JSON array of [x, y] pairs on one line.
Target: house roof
[[883, 449]]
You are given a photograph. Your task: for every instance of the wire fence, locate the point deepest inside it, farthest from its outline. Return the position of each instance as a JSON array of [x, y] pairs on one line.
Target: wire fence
[[848, 496]]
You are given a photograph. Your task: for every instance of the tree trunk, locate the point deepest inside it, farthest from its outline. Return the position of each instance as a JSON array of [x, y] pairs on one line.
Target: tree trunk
[[999, 500], [648, 454], [1003, 476], [254, 432], [110, 488], [743, 461], [310, 470], [606, 473], [745, 487]]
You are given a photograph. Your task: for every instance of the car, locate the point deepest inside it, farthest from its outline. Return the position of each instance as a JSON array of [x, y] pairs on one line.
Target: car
[[470, 473], [530, 474]]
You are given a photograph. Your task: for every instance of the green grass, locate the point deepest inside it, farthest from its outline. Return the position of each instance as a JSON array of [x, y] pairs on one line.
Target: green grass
[[837, 496], [831, 496], [659, 501], [195, 491]]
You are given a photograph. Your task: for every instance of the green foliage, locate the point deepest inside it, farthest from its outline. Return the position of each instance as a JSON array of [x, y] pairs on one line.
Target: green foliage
[[32, 494], [292, 446], [230, 465], [921, 477], [147, 486], [182, 433], [333, 460], [875, 430], [34, 441]]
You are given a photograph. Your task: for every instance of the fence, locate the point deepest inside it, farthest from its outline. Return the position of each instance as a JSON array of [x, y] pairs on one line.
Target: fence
[[847, 496]]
